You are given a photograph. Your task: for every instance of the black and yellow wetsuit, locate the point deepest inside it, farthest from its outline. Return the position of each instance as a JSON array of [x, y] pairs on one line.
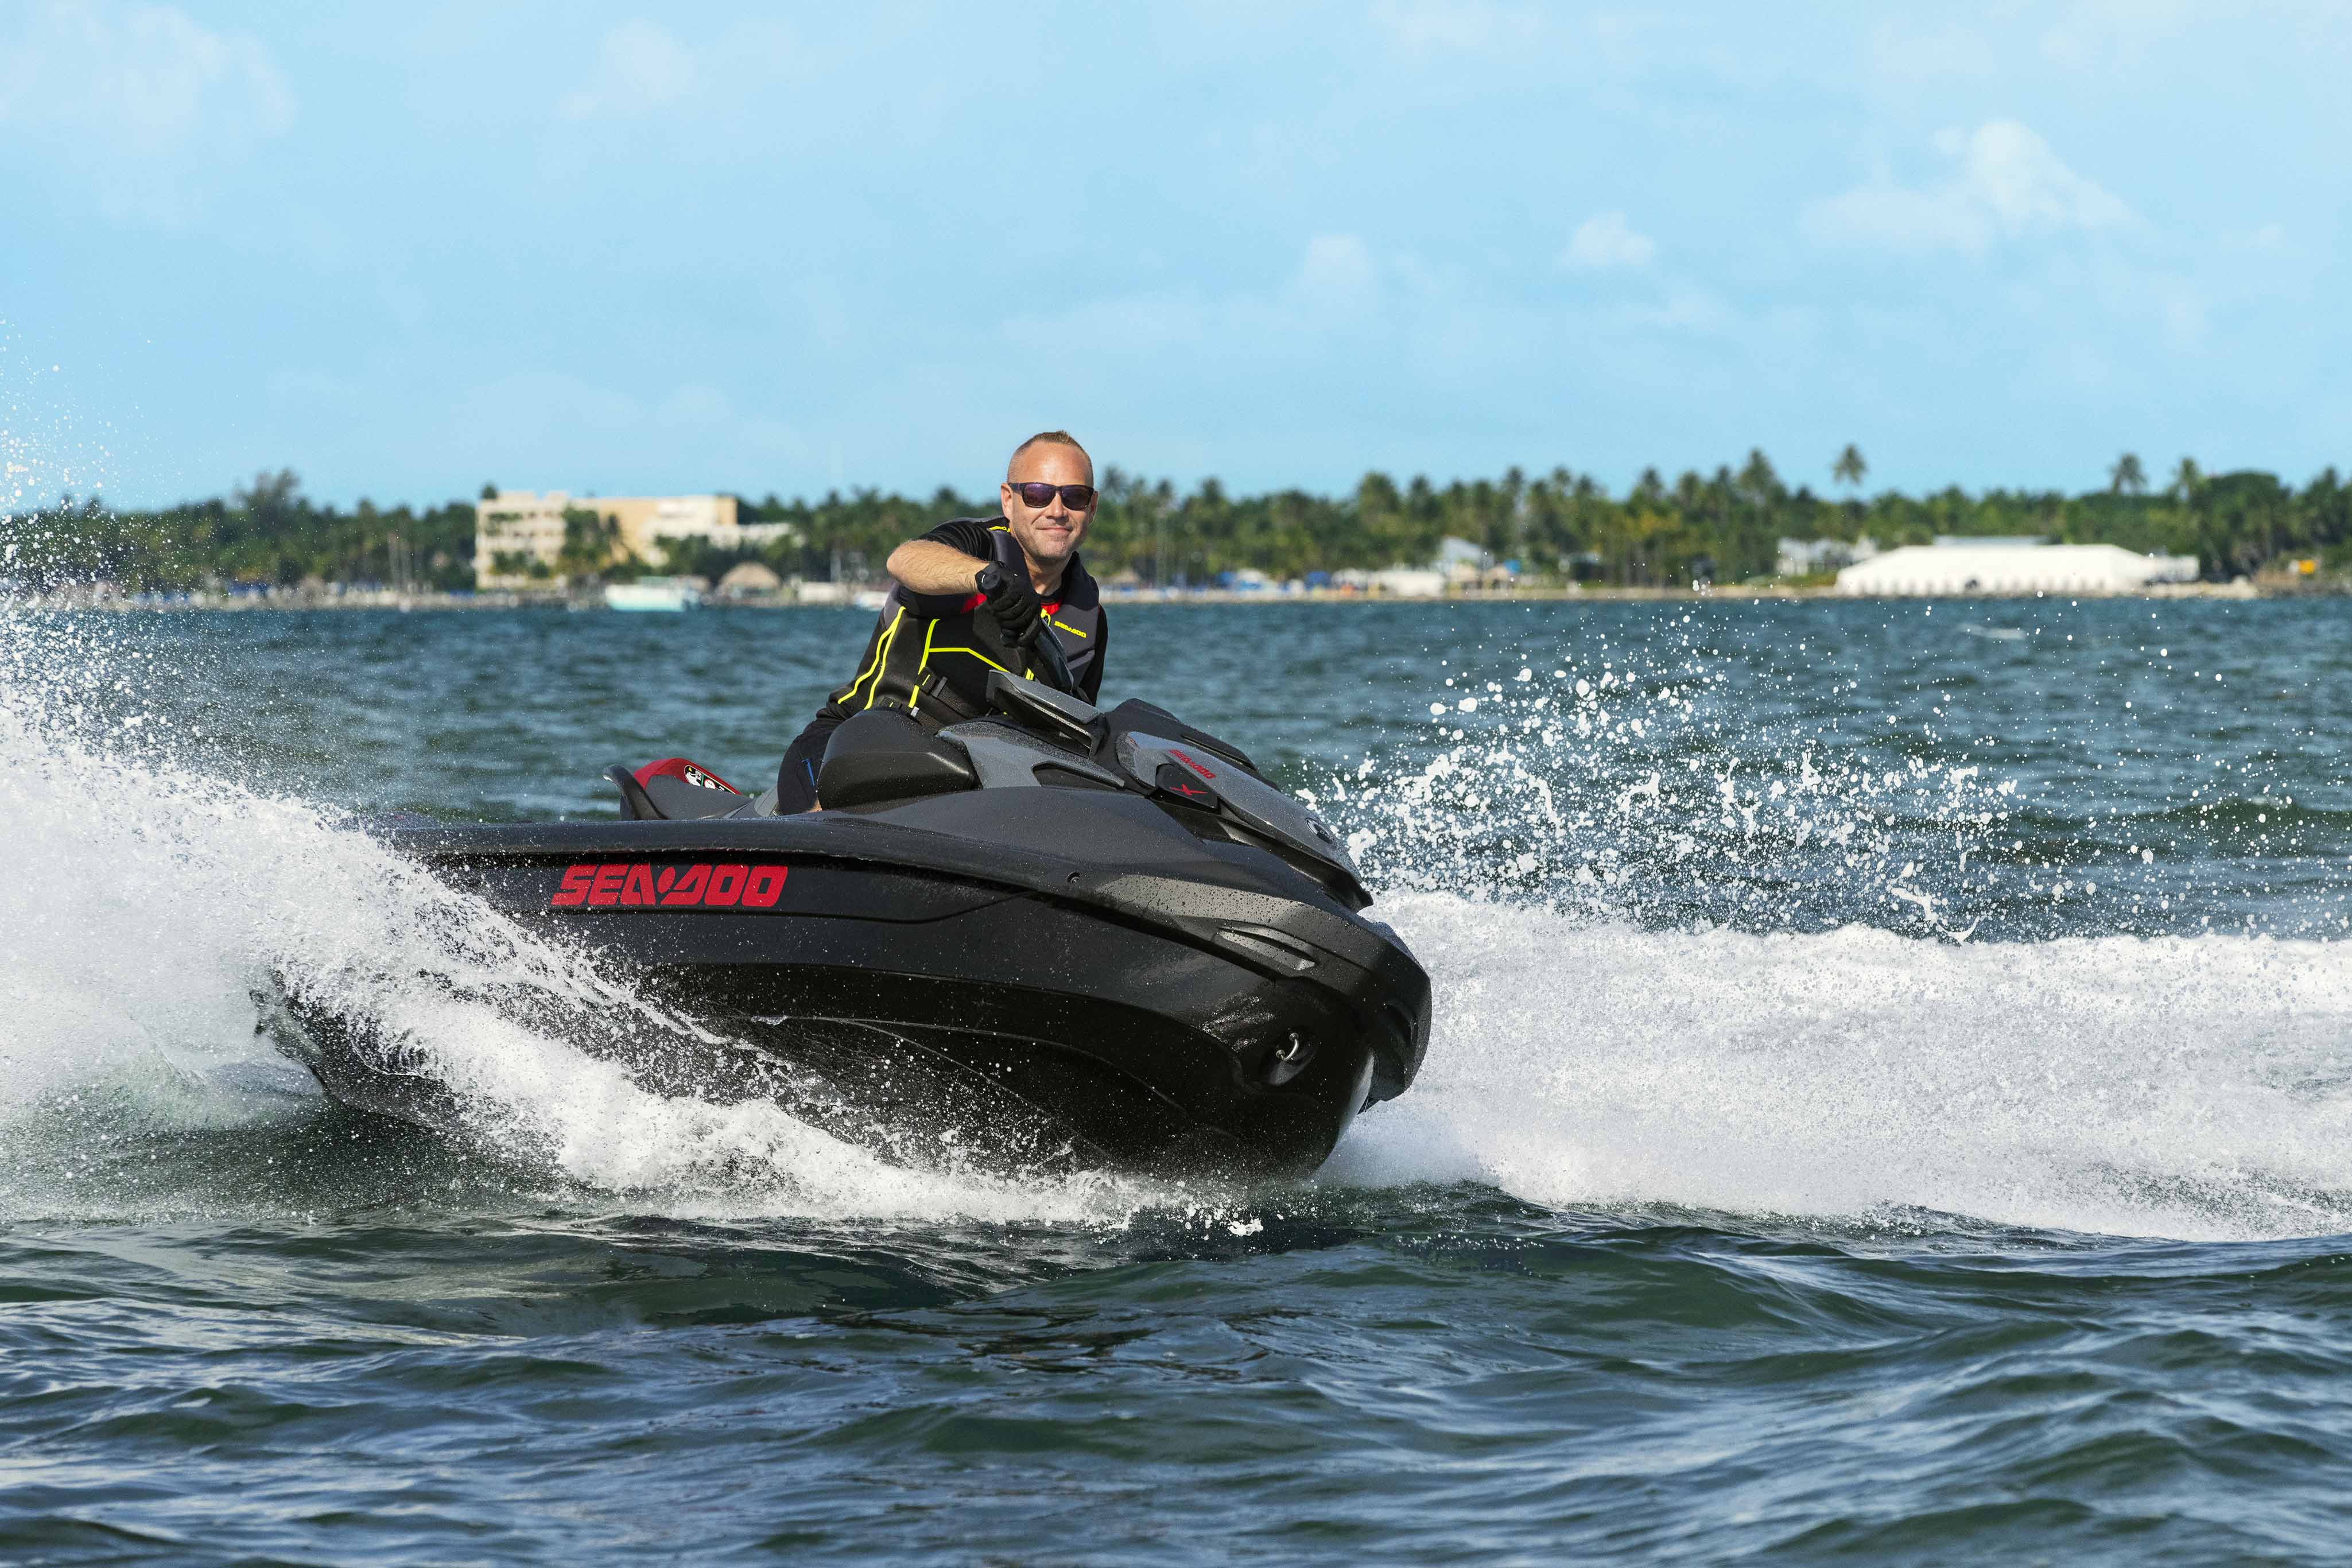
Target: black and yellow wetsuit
[[930, 654]]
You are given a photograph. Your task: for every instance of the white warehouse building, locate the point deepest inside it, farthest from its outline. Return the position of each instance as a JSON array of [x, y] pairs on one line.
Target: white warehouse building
[[1962, 566]]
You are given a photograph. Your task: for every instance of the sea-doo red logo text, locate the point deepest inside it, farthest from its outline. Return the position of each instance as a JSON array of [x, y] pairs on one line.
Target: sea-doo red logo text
[[1190, 764], [633, 884]]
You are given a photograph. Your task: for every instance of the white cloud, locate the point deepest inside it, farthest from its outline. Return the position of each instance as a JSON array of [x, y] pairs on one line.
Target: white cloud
[[1337, 272], [1606, 240], [638, 67], [2007, 182], [139, 100]]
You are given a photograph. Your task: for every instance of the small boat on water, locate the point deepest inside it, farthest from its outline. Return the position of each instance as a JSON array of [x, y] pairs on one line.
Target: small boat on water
[[658, 594]]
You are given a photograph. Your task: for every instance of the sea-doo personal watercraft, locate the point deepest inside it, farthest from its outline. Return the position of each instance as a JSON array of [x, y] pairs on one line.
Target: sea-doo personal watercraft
[[1053, 937]]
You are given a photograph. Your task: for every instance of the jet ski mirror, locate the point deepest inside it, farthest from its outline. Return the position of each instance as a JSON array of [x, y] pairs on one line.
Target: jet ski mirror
[[1036, 706]]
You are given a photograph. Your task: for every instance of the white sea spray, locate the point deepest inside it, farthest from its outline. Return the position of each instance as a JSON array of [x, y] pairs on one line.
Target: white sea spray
[[151, 909]]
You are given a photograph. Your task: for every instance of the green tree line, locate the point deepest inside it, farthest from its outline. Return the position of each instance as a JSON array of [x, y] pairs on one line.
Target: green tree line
[[1726, 525], [266, 533]]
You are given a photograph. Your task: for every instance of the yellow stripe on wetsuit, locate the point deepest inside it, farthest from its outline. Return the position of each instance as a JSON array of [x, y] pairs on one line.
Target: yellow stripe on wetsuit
[[915, 686], [881, 658]]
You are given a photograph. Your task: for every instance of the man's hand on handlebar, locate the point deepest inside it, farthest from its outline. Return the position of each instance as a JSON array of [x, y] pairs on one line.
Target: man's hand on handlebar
[[1011, 600]]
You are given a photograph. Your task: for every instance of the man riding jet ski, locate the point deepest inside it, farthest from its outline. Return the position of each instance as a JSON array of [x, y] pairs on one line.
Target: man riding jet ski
[[962, 597], [1025, 932]]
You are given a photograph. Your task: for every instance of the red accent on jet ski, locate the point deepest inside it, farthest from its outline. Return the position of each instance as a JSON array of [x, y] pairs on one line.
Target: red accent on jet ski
[[679, 768], [1190, 764]]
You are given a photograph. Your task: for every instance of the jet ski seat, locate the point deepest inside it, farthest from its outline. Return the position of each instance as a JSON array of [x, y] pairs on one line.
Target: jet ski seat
[[880, 755]]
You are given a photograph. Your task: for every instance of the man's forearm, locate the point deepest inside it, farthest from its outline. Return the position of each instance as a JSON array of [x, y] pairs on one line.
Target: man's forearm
[[927, 566]]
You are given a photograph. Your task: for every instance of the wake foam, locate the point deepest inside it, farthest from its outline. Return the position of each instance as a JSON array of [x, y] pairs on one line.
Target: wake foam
[[149, 906], [2185, 1087]]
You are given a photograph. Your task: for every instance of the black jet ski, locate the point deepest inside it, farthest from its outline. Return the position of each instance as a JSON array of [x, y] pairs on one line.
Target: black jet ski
[[1053, 937]]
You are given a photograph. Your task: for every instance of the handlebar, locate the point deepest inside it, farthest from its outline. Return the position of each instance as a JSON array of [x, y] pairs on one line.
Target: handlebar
[[1049, 664]]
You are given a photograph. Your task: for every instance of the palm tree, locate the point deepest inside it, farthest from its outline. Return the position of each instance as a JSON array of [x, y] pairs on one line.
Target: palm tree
[[2127, 477], [1850, 468], [2185, 480]]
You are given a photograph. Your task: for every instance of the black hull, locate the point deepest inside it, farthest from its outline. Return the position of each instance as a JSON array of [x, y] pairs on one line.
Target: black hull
[[943, 1002]]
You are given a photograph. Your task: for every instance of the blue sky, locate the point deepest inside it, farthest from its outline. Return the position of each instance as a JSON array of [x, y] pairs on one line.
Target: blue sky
[[408, 248]]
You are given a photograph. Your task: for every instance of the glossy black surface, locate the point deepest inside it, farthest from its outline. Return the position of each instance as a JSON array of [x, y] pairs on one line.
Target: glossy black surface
[[1029, 976]]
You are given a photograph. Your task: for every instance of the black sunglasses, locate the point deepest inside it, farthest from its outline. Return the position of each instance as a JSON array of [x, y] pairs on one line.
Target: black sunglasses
[[1077, 498]]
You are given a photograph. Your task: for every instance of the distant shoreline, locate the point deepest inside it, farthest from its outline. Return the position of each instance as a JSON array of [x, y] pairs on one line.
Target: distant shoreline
[[409, 602]]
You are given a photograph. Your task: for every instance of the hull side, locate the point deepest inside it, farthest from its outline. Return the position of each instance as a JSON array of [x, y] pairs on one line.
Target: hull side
[[951, 1022]]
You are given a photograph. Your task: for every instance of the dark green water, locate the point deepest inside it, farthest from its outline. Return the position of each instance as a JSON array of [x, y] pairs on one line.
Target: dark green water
[[1892, 1100]]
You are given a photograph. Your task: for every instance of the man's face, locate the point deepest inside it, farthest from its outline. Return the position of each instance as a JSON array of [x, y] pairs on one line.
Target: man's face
[[1049, 532]]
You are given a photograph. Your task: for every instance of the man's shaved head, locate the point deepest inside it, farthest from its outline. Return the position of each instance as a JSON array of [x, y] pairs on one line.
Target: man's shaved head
[[1048, 533], [1046, 438]]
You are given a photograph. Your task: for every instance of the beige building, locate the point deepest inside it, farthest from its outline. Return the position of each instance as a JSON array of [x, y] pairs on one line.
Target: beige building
[[526, 527]]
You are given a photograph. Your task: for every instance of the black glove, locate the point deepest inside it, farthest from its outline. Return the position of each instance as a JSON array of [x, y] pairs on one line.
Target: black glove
[[1012, 601]]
